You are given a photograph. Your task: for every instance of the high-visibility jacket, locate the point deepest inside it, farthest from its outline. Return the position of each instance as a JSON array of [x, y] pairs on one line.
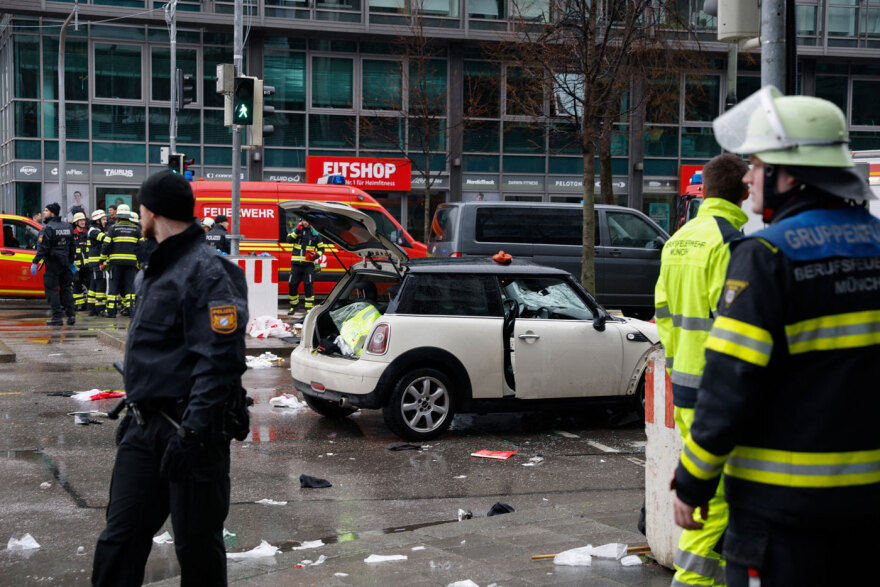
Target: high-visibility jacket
[[95, 240], [354, 330], [692, 269], [789, 398], [120, 243], [81, 241], [307, 246]]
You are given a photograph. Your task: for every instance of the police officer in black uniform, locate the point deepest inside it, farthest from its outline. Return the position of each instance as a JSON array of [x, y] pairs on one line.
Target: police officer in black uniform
[[218, 236], [55, 251], [183, 364]]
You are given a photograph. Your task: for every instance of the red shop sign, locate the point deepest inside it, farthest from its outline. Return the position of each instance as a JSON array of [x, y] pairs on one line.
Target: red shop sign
[[363, 172]]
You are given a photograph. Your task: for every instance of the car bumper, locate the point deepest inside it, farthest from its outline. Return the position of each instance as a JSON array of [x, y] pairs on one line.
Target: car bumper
[[356, 380]]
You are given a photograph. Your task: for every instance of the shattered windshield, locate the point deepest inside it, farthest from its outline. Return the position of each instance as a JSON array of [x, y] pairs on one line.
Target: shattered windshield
[[545, 298]]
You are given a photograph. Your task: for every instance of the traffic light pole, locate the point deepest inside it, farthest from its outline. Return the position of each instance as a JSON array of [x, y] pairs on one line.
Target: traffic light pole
[[236, 137], [171, 19]]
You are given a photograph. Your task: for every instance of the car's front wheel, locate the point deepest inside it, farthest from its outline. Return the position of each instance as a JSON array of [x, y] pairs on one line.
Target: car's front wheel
[[327, 408], [421, 405]]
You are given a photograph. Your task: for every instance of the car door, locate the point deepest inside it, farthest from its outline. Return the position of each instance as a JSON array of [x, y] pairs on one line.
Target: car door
[[17, 250], [632, 262], [557, 352]]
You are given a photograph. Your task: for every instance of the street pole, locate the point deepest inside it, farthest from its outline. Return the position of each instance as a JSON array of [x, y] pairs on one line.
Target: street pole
[[773, 43], [236, 135], [62, 116], [731, 99], [171, 19]]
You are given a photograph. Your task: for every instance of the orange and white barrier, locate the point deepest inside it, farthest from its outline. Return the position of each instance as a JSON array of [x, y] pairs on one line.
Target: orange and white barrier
[[661, 456], [262, 282]]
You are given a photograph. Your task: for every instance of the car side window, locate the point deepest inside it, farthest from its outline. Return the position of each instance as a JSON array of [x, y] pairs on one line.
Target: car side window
[[545, 298], [450, 295], [19, 235], [375, 289], [629, 230]]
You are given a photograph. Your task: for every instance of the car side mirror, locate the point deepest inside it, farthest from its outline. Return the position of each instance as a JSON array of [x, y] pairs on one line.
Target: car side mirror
[[599, 321]]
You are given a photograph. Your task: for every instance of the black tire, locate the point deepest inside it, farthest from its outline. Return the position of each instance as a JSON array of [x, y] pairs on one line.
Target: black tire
[[327, 408], [637, 401], [421, 405]]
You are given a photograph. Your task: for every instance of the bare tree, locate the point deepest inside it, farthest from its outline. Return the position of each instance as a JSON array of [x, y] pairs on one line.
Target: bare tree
[[589, 54]]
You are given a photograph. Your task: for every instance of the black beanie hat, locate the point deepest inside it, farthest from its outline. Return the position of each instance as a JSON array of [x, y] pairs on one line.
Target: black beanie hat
[[168, 194], [54, 208], [220, 218]]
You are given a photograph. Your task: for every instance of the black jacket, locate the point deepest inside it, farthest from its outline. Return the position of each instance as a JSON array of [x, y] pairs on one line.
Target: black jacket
[[217, 238], [121, 243], [186, 338], [56, 242]]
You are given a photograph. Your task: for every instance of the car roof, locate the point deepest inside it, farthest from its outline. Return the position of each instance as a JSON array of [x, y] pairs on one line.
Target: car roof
[[483, 265]]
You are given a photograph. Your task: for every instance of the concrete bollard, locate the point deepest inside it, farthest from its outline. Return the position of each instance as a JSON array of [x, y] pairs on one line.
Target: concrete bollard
[[262, 281], [661, 456]]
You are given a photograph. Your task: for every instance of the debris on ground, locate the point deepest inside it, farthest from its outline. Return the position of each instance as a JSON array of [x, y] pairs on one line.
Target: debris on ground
[[96, 394], [418, 548], [613, 550], [494, 454], [465, 583], [384, 558], [464, 514], [308, 544], [268, 326], [60, 394], [26, 542], [287, 400], [164, 538], [80, 550], [320, 561], [631, 560], [502, 508], [340, 574], [396, 446], [45, 485], [264, 361], [263, 550], [307, 482], [460, 477], [268, 501], [534, 461], [576, 557], [228, 533], [444, 566]]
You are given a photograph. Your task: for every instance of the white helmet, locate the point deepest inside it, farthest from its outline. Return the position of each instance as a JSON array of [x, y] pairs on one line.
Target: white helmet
[[98, 214]]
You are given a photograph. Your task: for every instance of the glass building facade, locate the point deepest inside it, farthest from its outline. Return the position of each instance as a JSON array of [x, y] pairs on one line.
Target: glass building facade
[[339, 76]]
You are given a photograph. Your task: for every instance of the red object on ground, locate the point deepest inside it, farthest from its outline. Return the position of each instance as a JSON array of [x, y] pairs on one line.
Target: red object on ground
[[494, 454], [107, 395]]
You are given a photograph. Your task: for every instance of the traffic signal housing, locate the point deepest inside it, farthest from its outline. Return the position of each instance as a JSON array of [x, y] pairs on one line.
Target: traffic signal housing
[[176, 162], [186, 90], [259, 130], [243, 101]]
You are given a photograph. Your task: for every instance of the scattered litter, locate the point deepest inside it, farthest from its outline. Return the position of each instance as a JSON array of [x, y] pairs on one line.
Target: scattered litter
[[631, 560], [287, 400], [494, 454], [384, 558], [534, 461], [565, 434], [228, 533], [418, 548], [460, 477], [268, 326], [576, 557], [403, 446], [340, 574], [96, 394], [307, 482], [45, 485], [271, 502], [61, 394], [263, 550], [463, 542], [320, 561], [264, 361], [331, 435], [55, 354], [464, 514], [601, 460], [308, 544], [26, 542], [445, 566], [164, 538], [80, 550], [330, 454], [503, 508], [613, 550], [465, 583]]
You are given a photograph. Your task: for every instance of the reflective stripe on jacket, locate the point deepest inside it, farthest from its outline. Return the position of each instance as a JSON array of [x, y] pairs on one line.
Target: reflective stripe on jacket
[[121, 243], [95, 237], [306, 242], [354, 331], [692, 269]]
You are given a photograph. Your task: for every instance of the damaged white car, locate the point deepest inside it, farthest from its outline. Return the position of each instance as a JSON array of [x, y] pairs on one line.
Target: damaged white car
[[427, 338]]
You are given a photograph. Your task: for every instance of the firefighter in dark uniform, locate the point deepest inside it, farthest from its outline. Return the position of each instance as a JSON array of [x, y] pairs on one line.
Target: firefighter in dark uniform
[[218, 235], [788, 399], [81, 277], [97, 296], [184, 359], [119, 253], [304, 257], [55, 252]]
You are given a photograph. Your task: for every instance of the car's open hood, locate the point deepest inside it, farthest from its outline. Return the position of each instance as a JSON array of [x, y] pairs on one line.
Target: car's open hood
[[346, 227]]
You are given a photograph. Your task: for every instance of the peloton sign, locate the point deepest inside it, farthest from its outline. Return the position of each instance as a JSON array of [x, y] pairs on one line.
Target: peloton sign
[[393, 175]]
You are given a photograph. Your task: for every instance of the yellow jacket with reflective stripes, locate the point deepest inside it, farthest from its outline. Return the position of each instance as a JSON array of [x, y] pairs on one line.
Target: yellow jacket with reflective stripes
[[692, 269], [306, 243], [354, 331], [789, 400]]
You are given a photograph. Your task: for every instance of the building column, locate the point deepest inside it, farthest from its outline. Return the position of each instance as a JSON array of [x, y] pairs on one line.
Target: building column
[[455, 120], [636, 173]]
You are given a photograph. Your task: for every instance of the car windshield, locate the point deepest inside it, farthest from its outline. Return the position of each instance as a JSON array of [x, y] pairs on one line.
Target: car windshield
[[545, 297]]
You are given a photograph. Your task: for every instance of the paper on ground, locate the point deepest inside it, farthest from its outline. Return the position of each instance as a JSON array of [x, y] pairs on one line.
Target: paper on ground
[[263, 550], [613, 550], [164, 538], [385, 558], [576, 557], [340, 574], [26, 542], [320, 561], [494, 454], [631, 560], [271, 502], [308, 544], [228, 533], [418, 548], [465, 583], [287, 400]]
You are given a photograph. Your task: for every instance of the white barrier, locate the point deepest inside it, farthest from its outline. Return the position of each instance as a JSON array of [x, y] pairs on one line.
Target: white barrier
[[262, 281], [661, 456]]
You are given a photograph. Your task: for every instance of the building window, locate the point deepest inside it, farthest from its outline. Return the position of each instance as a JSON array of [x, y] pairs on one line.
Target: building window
[[865, 107], [330, 132], [211, 57], [492, 9], [833, 89], [187, 60], [119, 123], [382, 85], [118, 71], [27, 119], [427, 86], [27, 66], [703, 98], [76, 69], [290, 130], [286, 72], [77, 116], [482, 90], [332, 82]]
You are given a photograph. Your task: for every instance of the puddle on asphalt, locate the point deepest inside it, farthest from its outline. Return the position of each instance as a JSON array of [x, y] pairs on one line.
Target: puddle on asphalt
[[39, 458]]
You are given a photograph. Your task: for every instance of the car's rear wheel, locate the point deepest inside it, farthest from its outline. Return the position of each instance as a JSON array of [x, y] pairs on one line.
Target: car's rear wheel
[[327, 408], [421, 405], [638, 399]]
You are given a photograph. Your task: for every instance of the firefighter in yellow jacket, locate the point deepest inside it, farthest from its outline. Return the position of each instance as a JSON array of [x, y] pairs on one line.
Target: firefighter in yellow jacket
[[304, 257], [788, 400], [692, 269]]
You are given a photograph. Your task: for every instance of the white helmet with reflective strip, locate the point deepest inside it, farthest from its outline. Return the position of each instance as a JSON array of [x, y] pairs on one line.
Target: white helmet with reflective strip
[[98, 214]]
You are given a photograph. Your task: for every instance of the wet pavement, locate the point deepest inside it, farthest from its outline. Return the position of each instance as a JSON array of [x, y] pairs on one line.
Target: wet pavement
[[587, 490]]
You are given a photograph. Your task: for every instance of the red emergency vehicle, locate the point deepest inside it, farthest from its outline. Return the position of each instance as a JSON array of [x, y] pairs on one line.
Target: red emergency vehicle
[[265, 225], [690, 177], [18, 245]]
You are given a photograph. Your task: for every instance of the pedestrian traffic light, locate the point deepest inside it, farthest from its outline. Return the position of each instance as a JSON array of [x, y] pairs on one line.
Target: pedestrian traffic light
[[186, 89], [175, 162], [243, 101], [262, 111]]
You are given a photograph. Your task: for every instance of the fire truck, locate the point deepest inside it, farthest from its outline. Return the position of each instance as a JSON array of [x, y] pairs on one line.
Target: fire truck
[[265, 225]]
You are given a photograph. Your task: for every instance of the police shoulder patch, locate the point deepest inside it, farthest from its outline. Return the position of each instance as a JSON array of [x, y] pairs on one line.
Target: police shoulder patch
[[224, 319], [732, 289]]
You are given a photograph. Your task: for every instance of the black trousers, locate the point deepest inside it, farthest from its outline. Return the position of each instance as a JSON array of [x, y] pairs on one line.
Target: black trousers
[[121, 284], [141, 499], [802, 553], [304, 274], [81, 285], [57, 282]]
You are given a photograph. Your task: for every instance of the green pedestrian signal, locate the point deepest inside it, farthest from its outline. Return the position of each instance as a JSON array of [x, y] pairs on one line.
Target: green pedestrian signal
[[243, 101]]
